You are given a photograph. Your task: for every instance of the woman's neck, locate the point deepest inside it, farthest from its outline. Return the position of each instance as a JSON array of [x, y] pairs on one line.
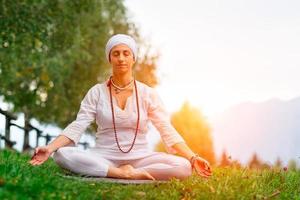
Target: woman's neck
[[122, 80]]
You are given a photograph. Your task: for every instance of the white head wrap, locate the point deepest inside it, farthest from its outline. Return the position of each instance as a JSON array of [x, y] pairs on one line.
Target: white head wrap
[[121, 39]]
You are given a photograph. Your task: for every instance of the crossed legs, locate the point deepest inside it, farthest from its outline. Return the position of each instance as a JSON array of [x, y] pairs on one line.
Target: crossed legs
[[161, 166]]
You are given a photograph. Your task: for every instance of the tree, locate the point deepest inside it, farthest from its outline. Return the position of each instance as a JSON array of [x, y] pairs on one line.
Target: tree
[[145, 70], [225, 159], [278, 163], [292, 165], [255, 162], [265, 165], [194, 129], [236, 164]]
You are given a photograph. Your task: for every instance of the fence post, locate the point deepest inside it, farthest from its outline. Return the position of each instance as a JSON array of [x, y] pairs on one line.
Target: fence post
[[8, 118]]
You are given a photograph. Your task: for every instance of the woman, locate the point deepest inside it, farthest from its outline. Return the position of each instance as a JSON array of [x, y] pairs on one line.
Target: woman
[[122, 107]]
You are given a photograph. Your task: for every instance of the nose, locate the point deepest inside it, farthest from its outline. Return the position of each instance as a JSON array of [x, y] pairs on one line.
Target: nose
[[121, 57]]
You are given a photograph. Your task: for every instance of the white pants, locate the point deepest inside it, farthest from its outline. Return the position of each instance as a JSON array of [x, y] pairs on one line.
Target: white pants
[[160, 165]]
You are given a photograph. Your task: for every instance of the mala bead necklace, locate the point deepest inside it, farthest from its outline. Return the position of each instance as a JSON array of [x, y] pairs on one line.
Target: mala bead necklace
[[120, 89], [113, 116]]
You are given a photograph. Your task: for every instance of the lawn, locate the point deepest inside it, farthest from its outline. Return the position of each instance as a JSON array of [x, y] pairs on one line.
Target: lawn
[[19, 180]]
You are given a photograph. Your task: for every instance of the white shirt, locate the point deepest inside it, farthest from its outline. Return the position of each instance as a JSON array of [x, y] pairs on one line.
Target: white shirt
[[96, 106]]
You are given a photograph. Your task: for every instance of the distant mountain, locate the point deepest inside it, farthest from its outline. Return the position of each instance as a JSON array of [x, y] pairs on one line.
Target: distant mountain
[[270, 128]]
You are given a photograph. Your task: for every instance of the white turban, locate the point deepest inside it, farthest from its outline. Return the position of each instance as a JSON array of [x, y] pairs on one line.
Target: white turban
[[121, 39]]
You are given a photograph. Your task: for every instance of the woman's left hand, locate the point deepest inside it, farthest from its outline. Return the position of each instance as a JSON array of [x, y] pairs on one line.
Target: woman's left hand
[[202, 167]]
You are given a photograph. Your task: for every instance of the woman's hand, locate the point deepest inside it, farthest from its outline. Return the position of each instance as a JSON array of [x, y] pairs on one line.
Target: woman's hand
[[202, 167], [41, 154]]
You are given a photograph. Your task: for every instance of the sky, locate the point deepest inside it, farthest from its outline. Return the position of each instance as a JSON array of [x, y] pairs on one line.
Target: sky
[[216, 54]]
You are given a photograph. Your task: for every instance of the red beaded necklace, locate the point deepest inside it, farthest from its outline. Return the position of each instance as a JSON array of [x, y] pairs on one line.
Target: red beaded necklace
[[113, 116]]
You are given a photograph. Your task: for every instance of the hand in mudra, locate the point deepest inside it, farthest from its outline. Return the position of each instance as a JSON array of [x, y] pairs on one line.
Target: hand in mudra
[[202, 167], [41, 154]]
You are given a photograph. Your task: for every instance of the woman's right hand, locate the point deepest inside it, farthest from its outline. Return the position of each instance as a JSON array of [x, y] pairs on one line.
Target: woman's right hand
[[41, 154], [202, 167]]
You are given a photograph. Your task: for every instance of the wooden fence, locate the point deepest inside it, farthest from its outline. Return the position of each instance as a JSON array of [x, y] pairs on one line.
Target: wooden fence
[[9, 122]]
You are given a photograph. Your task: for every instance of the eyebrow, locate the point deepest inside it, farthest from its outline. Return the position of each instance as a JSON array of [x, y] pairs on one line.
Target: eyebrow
[[118, 51], [121, 50]]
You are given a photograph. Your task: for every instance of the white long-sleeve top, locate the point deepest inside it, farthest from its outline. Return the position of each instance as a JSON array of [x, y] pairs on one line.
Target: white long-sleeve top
[[96, 106]]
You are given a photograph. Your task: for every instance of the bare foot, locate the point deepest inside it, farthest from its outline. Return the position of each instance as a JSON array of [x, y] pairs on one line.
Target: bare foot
[[132, 173]]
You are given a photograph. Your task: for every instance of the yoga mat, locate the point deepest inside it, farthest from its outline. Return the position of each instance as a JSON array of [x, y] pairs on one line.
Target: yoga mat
[[111, 180]]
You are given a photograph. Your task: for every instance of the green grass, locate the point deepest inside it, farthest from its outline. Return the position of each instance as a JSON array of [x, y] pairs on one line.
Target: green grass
[[19, 180]]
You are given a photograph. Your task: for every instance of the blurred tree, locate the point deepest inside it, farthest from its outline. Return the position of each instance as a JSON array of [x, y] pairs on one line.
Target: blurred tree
[[145, 70], [278, 163], [292, 165], [194, 129], [225, 159], [255, 162], [265, 165], [236, 164], [52, 52]]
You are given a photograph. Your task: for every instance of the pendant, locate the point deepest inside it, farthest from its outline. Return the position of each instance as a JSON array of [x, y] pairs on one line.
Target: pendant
[[117, 90]]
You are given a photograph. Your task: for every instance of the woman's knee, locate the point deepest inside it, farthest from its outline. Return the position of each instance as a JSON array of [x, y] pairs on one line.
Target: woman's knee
[[181, 167], [184, 169], [61, 154], [81, 162]]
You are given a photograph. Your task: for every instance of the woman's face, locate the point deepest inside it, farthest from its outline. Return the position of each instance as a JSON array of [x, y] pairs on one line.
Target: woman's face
[[121, 58]]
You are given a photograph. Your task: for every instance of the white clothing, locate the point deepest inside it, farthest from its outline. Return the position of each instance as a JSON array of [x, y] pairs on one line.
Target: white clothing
[[160, 165], [96, 106]]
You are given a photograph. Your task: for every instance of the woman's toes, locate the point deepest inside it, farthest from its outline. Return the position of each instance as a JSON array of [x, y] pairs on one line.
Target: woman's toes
[[129, 172], [143, 174]]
